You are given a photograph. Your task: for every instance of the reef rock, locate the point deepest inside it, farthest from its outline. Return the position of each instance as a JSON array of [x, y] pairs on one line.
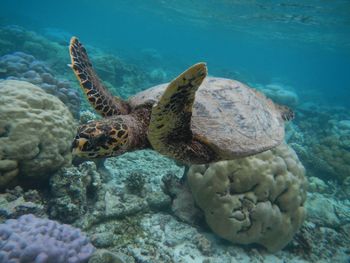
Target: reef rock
[[84, 196], [257, 199], [317, 185], [69, 189], [151, 165], [326, 211], [17, 202], [36, 129], [105, 256], [183, 205]]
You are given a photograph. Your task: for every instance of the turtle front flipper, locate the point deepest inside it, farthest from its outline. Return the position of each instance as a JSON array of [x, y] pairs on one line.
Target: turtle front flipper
[[169, 131], [99, 97]]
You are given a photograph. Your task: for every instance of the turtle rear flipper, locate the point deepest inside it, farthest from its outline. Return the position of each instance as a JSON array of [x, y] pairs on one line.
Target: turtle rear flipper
[[99, 97], [169, 131]]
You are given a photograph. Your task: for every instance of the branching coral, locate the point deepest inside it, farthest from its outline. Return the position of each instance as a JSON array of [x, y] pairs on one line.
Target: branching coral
[[257, 199]]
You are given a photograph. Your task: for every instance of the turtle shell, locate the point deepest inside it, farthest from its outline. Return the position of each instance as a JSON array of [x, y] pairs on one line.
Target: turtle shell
[[232, 118]]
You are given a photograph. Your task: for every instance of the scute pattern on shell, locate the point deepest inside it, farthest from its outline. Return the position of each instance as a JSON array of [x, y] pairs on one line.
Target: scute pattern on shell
[[232, 118]]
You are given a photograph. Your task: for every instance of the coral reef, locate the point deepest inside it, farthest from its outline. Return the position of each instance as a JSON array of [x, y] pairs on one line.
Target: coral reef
[[69, 189], [159, 237], [138, 209], [328, 203], [57, 35], [111, 204], [35, 132], [22, 66], [317, 185], [325, 235], [138, 228], [183, 205], [121, 79], [150, 164], [327, 212], [324, 148], [135, 182], [84, 196], [279, 93], [31, 239], [105, 256], [87, 116], [17, 202], [158, 76], [320, 244], [148, 235], [257, 199], [16, 38]]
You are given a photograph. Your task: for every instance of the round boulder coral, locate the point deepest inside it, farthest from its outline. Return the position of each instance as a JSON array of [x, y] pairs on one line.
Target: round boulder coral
[[257, 199], [22, 66], [36, 129]]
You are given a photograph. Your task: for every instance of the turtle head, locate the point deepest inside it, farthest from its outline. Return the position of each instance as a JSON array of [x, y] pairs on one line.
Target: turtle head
[[102, 138]]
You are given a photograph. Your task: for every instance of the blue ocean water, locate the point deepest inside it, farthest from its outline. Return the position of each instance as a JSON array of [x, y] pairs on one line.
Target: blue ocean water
[[303, 44]]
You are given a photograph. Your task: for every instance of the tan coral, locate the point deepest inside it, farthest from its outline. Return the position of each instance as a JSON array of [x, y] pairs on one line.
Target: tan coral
[[257, 199], [8, 171], [36, 129]]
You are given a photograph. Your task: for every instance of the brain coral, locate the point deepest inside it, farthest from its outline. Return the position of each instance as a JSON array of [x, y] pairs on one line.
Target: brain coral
[[257, 199], [36, 129], [32, 239]]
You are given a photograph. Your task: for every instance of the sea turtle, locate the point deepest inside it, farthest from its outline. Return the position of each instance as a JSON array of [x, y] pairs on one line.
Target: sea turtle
[[194, 119]]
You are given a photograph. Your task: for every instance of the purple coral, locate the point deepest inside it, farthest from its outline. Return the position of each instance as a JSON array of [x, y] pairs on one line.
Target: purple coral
[[22, 66], [31, 239]]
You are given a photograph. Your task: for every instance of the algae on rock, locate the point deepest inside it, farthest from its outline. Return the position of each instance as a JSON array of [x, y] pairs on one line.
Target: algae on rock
[[70, 188]]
